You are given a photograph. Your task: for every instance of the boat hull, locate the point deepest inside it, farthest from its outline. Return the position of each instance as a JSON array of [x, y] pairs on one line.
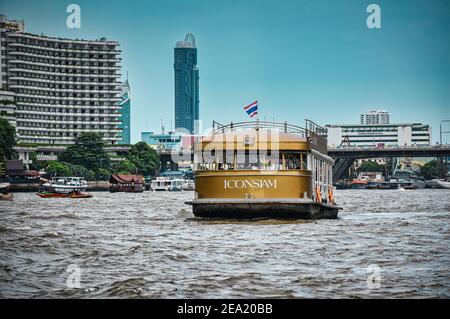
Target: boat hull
[[267, 208], [61, 195]]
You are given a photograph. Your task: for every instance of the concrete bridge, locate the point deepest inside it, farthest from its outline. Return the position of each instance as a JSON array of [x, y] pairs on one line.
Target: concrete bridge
[[345, 156]]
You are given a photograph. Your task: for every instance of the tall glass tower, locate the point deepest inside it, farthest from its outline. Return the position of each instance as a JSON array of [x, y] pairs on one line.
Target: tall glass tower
[[186, 85], [125, 108]]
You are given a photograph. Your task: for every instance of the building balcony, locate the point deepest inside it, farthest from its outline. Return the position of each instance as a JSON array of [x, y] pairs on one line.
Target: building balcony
[[65, 58], [116, 84], [67, 114], [77, 75], [63, 66], [71, 98], [38, 88], [75, 106]]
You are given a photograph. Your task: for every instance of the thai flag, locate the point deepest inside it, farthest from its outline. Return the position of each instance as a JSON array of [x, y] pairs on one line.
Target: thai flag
[[252, 109]]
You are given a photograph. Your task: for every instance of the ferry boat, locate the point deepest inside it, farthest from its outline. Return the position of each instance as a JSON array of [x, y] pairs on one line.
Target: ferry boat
[[407, 179], [264, 170], [166, 184], [64, 187]]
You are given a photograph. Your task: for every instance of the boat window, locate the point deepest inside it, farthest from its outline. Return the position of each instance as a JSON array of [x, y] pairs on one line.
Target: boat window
[[254, 160], [295, 160], [248, 160]]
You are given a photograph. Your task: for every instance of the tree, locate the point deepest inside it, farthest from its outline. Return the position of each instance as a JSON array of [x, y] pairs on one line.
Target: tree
[[78, 170], [58, 168], [369, 166], [7, 140], [102, 174], [88, 151], [144, 158], [125, 167], [433, 169]]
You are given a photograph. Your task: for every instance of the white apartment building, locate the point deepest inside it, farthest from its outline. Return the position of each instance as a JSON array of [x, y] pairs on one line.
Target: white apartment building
[[60, 87], [375, 117], [403, 134]]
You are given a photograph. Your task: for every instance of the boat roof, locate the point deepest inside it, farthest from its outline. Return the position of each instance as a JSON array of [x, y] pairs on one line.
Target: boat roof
[[264, 135], [124, 178]]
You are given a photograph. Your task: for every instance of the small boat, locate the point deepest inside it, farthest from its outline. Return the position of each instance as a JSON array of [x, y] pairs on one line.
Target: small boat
[[166, 184], [64, 187], [366, 180], [4, 192], [62, 195], [438, 183], [381, 185]]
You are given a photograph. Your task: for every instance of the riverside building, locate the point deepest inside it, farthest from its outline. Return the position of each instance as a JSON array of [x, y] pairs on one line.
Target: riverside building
[[60, 87], [358, 135]]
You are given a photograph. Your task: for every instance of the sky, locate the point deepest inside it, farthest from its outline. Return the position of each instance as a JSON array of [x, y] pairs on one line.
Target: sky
[[299, 59]]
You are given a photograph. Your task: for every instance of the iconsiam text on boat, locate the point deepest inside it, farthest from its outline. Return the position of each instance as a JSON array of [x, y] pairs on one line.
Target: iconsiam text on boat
[[245, 183]]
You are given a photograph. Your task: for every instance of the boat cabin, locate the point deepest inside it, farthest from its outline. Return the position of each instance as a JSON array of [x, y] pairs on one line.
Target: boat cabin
[[126, 183], [256, 162]]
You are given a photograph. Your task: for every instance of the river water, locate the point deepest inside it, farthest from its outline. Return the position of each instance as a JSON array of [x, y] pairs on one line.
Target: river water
[[386, 243]]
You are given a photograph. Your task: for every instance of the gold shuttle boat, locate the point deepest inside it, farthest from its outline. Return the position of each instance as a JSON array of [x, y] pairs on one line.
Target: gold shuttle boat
[[263, 170]]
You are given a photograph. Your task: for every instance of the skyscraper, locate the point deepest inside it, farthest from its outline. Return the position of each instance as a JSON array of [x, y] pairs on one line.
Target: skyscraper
[[186, 85], [125, 109]]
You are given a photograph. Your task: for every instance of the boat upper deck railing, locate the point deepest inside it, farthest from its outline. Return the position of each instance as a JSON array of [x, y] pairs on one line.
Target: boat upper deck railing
[[285, 127]]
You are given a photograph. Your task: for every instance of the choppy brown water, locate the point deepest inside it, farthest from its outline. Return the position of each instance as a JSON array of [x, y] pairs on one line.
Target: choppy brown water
[[149, 245]]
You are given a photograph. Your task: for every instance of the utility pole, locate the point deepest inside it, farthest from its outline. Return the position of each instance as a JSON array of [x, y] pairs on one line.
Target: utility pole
[[444, 161]]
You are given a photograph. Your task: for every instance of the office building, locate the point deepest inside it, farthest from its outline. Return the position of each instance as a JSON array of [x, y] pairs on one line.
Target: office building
[[358, 135], [375, 117], [186, 85], [60, 87]]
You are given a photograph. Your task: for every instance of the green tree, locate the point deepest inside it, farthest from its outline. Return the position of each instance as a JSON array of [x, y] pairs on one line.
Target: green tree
[[7, 140], [58, 168], [102, 174], [88, 151], [125, 167], [369, 166], [144, 158], [433, 169], [78, 170]]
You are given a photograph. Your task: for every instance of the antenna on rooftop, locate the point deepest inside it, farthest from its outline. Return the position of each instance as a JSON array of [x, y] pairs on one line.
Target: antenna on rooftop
[[162, 127]]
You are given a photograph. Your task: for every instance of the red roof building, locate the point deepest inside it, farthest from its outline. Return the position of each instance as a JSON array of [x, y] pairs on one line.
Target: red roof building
[[126, 183]]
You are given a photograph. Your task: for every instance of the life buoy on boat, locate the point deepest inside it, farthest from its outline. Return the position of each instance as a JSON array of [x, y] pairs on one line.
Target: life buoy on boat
[[318, 195], [330, 195]]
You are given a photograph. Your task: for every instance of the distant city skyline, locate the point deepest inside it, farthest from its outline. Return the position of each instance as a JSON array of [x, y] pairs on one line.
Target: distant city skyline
[[299, 59]]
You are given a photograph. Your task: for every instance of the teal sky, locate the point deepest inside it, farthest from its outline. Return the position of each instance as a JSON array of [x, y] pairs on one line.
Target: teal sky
[[299, 59]]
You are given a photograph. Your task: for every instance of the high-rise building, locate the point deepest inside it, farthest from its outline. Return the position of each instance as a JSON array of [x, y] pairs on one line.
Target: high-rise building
[[125, 110], [60, 87], [186, 85], [375, 117]]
